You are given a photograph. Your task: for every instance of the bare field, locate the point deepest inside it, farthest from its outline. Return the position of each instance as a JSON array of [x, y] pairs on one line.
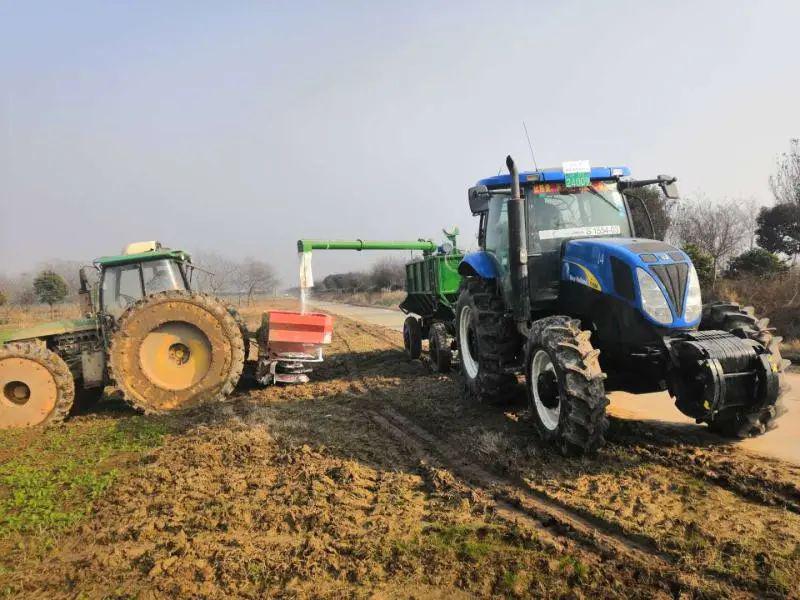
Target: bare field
[[375, 480]]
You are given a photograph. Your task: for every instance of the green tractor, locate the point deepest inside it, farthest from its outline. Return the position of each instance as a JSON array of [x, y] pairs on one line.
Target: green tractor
[[144, 330], [561, 276]]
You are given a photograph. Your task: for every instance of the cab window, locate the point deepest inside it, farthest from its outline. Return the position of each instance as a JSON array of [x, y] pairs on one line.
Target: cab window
[[122, 287], [161, 275]]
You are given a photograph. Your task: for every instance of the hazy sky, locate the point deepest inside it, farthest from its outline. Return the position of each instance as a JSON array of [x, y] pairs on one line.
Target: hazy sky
[[240, 127]]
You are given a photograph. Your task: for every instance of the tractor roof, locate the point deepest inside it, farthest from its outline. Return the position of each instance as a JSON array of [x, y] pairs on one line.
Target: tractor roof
[[124, 259], [553, 175]]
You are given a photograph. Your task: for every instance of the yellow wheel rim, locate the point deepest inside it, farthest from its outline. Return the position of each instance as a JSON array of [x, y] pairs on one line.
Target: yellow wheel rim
[[28, 392], [175, 355]]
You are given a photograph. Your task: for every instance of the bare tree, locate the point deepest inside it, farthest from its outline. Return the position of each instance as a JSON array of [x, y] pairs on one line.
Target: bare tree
[[785, 183], [215, 274], [255, 276], [388, 273], [750, 210], [720, 229]]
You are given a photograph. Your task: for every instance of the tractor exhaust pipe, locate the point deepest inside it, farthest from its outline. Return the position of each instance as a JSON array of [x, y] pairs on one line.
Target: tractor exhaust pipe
[[517, 247]]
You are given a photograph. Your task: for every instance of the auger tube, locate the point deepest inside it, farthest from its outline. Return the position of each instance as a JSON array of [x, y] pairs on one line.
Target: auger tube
[[309, 245]]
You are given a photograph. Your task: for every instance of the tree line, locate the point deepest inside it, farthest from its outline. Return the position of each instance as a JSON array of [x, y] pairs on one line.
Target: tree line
[[388, 273], [736, 238]]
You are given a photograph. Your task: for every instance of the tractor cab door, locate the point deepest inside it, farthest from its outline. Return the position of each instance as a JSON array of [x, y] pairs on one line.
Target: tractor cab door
[[496, 240]]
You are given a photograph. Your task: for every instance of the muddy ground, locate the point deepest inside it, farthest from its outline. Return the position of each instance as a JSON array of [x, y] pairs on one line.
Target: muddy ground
[[375, 480]]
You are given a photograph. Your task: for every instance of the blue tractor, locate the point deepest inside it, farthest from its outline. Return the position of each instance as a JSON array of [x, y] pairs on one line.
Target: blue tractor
[[564, 291]]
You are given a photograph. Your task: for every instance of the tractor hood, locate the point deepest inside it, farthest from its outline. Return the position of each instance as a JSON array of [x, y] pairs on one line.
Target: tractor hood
[[609, 266], [44, 330]]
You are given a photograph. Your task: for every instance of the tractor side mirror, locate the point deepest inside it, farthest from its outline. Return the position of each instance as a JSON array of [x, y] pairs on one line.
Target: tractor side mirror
[[669, 186], [478, 199]]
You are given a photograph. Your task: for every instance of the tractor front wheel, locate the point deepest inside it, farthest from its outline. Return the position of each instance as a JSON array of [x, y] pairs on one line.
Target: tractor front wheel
[[36, 386], [565, 386], [743, 422]]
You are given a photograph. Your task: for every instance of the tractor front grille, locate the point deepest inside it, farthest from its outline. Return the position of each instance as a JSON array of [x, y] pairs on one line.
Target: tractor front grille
[[673, 277]]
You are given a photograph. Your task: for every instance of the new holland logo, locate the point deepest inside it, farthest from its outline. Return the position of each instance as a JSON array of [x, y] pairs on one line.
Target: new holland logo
[[580, 274]]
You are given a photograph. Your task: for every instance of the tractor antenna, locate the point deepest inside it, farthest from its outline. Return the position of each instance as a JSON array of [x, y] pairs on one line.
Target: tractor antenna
[[525, 127]]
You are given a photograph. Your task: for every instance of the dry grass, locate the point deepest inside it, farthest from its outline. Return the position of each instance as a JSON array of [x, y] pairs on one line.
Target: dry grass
[[382, 299], [15, 317], [777, 298]]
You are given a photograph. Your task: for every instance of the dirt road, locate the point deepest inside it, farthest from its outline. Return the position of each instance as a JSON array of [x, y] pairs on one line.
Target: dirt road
[[375, 480], [782, 443]]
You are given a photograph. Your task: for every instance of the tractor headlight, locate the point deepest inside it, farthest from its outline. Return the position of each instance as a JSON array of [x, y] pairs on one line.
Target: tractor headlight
[[654, 302], [694, 303]]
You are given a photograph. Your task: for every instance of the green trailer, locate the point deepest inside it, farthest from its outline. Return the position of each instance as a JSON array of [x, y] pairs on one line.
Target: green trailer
[[432, 287]]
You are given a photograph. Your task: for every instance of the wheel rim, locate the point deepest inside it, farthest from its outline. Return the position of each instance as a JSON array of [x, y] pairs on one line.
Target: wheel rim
[[466, 343], [28, 392], [544, 389], [175, 355]]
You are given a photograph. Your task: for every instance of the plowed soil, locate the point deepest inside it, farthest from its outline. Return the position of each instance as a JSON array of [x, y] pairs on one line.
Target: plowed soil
[[375, 480]]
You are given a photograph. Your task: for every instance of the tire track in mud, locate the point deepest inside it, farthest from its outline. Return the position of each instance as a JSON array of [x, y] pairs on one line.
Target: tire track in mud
[[714, 467], [701, 465], [555, 518], [516, 502]]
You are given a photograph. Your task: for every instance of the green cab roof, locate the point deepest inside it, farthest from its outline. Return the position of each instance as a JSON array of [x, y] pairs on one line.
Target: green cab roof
[[124, 259]]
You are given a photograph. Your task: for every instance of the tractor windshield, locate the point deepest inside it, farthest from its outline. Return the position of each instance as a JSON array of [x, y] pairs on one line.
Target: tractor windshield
[[125, 284], [556, 213]]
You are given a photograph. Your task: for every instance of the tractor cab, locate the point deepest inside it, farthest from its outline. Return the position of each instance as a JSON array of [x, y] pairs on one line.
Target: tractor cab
[[573, 202], [554, 211], [143, 269]]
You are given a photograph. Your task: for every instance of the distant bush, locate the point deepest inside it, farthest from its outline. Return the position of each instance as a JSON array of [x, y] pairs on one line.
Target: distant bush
[[386, 274], [3, 298], [776, 297], [703, 264], [757, 262], [50, 287]]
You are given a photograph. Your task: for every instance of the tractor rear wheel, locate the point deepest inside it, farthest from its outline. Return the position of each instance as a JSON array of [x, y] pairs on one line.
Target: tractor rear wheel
[[36, 386], [175, 350], [412, 337], [565, 386], [487, 342], [742, 322], [439, 348]]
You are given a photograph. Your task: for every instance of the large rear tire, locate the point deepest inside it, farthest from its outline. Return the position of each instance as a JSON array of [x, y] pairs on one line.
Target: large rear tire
[[487, 342], [176, 350], [565, 386], [742, 322], [36, 386]]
